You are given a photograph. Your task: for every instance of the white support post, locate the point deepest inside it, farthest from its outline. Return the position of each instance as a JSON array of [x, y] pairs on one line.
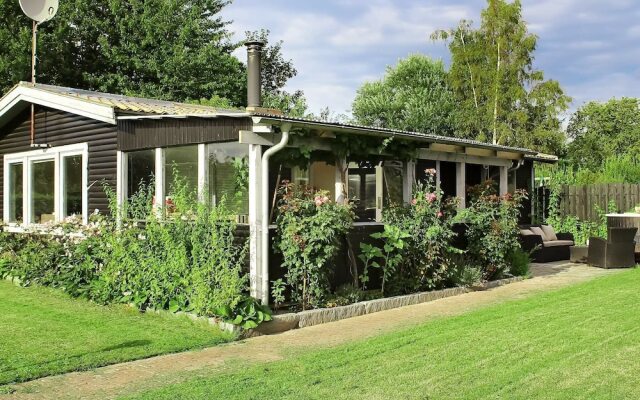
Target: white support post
[[379, 192], [121, 183], [461, 178], [160, 183], [340, 187], [438, 175], [203, 172], [504, 181], [255, 220], [408, 179]]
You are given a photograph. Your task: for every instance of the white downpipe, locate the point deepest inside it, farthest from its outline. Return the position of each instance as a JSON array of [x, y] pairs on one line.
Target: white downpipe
[[264, 203]]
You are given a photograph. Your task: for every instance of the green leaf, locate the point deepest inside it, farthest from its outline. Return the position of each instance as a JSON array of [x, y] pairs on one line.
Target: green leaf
[[174, 306], [249, 324]]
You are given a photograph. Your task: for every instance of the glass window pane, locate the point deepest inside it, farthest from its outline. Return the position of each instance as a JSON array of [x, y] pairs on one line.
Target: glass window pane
[[392, 174], [354, 187], [229, 175], [72, 190], [370, 190], [140, 172], [180, 169], [15, 192], [42, 191]]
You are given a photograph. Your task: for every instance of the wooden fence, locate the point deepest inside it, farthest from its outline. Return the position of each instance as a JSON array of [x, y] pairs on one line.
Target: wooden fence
[[582, 200]]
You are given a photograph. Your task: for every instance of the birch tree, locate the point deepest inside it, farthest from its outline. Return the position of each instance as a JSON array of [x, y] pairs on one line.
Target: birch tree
[[495, 83]]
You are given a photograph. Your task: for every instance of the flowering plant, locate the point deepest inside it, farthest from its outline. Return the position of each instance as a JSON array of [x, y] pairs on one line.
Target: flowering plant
[[310, 231], [425, 226], [492, 227]]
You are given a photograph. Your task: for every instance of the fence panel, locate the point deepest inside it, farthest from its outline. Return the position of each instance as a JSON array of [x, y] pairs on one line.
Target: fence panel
[[582, 200]]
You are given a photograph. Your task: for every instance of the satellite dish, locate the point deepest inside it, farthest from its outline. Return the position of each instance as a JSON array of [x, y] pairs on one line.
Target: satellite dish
[[39, 10]]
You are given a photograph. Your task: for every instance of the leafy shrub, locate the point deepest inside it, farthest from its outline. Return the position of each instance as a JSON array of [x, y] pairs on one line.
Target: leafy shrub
[[464, 273], [187, 260], [492, 228], [580, 229], [519, 261], [418, 241], [247, 313], [310, 232]]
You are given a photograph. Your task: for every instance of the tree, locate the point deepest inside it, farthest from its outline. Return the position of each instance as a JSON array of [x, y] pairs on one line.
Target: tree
[[600, 131], [500, 96], [412, 96], [166, 49]]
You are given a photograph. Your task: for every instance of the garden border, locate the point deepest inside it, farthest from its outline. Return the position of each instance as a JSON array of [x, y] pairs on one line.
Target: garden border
[[285, 322]]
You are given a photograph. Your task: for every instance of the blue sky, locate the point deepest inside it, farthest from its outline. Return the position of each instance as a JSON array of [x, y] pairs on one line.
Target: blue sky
[[591, 46]]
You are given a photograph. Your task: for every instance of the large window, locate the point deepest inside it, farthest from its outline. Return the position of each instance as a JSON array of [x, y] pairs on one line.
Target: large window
[[56, 185], [180, 169], [362, 191], [15, 193], [43, 177], [229, 175], [141, 169], [72, 185], [214, 171]]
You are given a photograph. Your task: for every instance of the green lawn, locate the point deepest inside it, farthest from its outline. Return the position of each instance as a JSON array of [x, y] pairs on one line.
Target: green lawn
[[578, 342], [44, 332]]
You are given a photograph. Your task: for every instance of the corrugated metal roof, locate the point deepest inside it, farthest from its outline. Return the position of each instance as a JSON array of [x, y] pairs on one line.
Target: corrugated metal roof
[[135, 105], [395, 132]]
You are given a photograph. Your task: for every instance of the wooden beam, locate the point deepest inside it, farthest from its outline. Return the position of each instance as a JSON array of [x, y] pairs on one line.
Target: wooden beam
[[509, 155], [447, 148], [474, 151]]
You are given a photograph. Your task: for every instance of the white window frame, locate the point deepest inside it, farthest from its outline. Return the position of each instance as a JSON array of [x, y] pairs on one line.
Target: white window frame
[[159, 171], [56, 154]]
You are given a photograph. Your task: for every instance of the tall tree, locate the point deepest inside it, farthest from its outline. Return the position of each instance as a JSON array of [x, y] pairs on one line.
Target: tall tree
[[166, 49], [413, 96], [603, 130], [501, 97]]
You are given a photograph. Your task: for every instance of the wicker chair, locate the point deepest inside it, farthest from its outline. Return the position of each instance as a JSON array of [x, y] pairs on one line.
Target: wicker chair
[[617, 251]]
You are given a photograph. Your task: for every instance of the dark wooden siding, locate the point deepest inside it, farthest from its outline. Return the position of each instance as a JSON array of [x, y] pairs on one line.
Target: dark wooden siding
[[59, 128], [150, 133]]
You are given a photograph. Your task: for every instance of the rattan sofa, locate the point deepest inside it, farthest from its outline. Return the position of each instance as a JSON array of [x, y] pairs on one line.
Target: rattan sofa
[[544, 247]]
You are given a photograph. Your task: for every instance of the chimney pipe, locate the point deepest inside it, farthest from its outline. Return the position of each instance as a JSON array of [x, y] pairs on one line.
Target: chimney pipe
[[254, 84]]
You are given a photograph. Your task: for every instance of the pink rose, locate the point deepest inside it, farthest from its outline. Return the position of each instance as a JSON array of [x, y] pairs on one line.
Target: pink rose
[[430, 171], [414, 202], [325, 199], [318, 201], [430, 197], [439, 214]]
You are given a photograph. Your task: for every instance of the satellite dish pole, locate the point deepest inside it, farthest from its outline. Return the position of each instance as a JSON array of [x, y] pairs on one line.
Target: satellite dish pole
[[34, 43], [39, 11]]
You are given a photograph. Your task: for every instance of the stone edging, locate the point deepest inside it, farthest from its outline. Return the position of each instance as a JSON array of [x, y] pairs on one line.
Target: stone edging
[[285, 322]]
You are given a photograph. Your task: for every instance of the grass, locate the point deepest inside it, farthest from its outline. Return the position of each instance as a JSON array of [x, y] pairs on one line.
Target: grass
[[45, 332], [578, 342]]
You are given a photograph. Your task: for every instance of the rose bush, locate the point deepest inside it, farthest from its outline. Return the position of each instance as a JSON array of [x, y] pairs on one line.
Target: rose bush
[[310, 232], [492, 228]]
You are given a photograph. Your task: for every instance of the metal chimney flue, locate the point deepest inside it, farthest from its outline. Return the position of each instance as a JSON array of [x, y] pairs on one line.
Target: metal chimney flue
[[254, 82]]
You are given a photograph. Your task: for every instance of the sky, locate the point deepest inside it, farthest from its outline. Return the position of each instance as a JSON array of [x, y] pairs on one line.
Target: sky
[[592, 47]]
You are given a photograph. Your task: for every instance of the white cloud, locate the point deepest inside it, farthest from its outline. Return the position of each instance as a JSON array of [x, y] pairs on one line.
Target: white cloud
[[590, 46]]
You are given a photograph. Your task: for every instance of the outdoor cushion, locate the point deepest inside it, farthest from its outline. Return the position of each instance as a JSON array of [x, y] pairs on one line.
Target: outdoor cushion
[[557, 243], [549, 232], [526, 232], [537, 231]]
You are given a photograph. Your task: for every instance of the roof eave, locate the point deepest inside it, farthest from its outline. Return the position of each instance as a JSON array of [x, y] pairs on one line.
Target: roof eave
[[427, 138], [19, 98]]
